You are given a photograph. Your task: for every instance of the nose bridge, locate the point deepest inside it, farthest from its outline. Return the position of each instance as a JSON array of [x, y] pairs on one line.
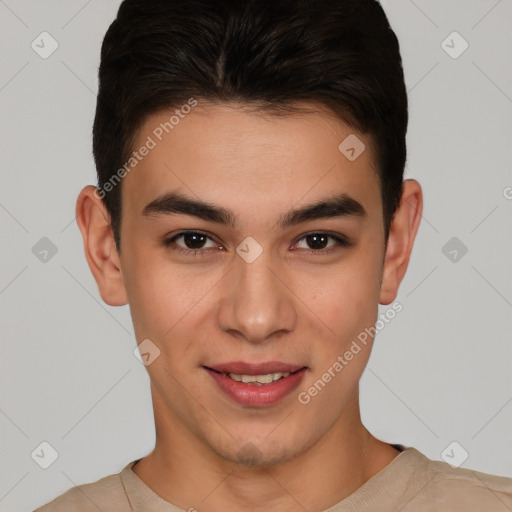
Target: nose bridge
[[256, 303]]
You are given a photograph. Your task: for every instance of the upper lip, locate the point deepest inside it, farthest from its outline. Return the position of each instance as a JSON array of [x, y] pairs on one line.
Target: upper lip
[[245, 368]]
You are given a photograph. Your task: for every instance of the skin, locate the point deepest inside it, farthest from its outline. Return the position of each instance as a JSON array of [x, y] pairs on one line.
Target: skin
[[291, 304]]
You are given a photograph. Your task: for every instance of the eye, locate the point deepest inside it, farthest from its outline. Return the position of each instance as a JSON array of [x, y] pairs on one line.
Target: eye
[[319, 242], [193, 242]]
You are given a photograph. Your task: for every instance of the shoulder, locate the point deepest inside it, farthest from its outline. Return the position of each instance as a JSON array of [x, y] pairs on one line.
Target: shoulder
[[104, 494], [455, 487]]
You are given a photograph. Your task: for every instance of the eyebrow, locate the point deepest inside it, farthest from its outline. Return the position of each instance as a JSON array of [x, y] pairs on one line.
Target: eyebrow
[[176, 203]]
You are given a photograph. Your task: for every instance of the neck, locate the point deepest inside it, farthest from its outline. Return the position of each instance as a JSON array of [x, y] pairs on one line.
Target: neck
[[190, 475]]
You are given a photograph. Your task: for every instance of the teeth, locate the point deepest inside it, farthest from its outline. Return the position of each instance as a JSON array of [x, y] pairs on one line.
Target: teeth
[[258, 379]]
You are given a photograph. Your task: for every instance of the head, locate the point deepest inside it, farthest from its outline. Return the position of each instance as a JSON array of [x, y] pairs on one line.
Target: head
[[275, 129]]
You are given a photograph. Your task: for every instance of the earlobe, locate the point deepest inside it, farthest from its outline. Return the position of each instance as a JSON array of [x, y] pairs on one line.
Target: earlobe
[[99, 246], [402, 234]]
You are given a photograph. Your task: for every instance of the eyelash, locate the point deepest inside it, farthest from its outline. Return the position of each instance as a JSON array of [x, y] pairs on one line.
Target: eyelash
[[168, 243]]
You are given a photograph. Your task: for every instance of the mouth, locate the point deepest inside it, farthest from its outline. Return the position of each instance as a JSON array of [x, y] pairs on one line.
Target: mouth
[[257, 384]]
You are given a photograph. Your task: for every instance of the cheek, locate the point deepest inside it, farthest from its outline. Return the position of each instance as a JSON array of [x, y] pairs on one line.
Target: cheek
[[346, 298], [150, 293], [348, 305], [163, 297]]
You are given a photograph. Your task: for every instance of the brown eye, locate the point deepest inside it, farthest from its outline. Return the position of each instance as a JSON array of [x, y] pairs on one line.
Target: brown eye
[[192, 242], [320, 242], [317, 241]]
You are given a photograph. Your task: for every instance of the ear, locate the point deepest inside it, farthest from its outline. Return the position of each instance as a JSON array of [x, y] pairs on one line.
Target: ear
[[99, 245], [402, 233]]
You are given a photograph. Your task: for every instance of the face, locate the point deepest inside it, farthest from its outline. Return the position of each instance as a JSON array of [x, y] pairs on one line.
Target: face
[[250, 285]]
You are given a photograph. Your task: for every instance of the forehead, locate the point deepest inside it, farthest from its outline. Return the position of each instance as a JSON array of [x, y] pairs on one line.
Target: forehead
[[229, 153]]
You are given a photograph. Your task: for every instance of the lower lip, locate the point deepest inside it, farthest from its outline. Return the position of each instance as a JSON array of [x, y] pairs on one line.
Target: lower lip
[[254, 395]]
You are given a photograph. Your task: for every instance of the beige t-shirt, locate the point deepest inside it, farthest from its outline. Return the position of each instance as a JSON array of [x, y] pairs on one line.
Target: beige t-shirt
[[411, 482]]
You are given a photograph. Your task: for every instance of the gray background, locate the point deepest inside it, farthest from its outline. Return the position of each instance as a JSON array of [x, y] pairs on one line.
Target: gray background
[[440, 371]]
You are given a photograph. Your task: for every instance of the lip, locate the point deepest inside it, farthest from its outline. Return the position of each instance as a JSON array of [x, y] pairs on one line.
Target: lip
[[252, 395], [245, 368]]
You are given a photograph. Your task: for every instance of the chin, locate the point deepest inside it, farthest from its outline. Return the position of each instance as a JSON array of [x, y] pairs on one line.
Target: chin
[[259, 453]]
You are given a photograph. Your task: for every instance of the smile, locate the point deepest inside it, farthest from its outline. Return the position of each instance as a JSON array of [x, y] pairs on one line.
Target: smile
[[258, 380], [257, 389]]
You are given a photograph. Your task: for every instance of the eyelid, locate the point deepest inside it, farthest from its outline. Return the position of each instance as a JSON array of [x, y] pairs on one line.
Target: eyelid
[[169, 240], [342, 241], [332, 234]]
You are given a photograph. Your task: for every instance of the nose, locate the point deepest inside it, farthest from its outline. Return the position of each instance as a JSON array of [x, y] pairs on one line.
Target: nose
[[257, 304]]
